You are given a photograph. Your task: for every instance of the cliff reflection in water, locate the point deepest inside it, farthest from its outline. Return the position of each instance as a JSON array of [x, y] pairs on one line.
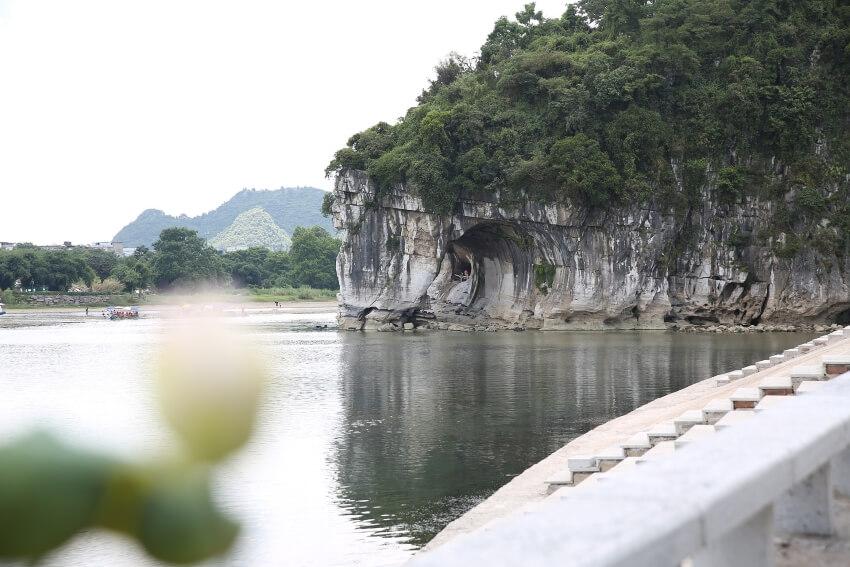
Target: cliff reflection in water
[[435, 422]]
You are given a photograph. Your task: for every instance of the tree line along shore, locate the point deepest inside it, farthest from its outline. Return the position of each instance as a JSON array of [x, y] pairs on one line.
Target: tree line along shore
[[179, 262]]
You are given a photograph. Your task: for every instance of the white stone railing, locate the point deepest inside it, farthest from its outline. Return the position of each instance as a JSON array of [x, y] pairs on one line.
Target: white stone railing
[[717, 502]]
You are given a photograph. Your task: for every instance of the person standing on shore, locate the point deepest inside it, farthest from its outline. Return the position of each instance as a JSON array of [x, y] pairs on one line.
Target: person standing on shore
[[87, 311]]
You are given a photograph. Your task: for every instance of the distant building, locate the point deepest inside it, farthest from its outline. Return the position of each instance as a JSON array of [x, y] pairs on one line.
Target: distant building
[[116, 248], [55, 247]]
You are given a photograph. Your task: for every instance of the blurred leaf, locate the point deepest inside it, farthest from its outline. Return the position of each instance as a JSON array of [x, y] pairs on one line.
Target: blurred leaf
[[123, 498], [47, 493], [180, 523]]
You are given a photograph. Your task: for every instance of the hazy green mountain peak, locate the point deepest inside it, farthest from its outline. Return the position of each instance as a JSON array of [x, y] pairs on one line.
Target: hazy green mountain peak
[[253, 228], [289, 207]]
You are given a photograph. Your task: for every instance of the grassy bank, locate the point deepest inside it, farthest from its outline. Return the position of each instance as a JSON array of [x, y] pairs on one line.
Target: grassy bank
[[246, 295], [290, 294]]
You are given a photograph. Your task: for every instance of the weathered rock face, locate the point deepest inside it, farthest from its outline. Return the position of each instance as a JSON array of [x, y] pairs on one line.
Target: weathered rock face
[[558, 267]]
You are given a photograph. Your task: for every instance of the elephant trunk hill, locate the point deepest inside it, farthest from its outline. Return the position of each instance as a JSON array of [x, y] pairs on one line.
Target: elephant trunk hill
[[626, 165]]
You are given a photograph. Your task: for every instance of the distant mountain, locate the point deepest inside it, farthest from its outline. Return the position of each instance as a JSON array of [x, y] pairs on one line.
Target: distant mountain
[[252, 228], [288, 208]]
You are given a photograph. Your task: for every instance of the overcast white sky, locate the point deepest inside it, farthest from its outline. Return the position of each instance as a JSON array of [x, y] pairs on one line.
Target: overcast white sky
[[110, 107]]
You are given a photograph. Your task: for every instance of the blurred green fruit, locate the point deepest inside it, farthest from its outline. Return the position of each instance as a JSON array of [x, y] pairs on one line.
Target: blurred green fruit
[[209, 385]]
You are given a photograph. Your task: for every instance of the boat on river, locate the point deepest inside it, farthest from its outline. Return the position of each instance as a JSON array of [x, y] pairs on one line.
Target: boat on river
[[116, 313], [2, 309]]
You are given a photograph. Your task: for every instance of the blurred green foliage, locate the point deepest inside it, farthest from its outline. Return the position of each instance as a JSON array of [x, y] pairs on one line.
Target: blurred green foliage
[[49, 492], [209, 387]]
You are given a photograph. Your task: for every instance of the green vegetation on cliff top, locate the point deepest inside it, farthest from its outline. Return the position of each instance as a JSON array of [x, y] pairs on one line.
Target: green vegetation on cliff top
[[624, 101]]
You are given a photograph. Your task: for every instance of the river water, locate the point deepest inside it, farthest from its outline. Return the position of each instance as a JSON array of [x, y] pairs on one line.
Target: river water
[[368, 443]]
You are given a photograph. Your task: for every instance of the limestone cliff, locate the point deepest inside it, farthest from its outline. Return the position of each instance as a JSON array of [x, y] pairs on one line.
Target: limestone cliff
[[558, 267]]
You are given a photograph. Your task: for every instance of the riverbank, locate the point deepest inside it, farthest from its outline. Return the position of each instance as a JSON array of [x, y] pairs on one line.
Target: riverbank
[[292, 306], [530, 488], [295, 306], [42, 300], [48, 300], [679, 328], [63, 315], [767, 328]]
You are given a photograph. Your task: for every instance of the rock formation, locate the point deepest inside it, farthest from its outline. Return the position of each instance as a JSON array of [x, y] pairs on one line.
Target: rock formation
[[559, 267]]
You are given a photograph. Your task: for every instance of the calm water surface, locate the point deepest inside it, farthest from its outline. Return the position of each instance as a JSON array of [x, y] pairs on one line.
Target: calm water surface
[[369, 443]]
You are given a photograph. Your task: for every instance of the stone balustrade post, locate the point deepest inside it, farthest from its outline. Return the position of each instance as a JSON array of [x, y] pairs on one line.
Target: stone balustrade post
[[747, 545], [808, 508], [841, 472]]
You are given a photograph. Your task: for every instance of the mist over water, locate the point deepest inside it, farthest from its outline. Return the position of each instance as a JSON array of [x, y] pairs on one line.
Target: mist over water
[[368, 443]]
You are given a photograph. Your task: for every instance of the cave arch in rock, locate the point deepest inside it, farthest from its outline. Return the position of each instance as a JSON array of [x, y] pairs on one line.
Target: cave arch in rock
[[843, 317], [490, 263]]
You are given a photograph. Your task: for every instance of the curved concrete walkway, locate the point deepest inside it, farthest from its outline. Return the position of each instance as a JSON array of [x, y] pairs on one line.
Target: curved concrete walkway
[[529, 488]]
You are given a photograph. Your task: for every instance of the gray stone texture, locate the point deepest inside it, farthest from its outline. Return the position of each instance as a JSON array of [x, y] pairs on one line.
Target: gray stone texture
[[558, 267]]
